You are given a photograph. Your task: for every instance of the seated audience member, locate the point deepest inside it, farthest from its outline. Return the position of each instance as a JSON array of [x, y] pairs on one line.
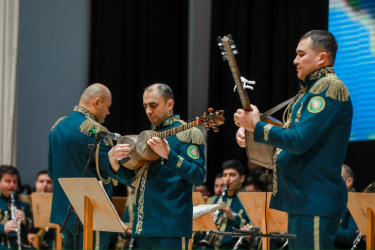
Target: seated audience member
[[347, 231], [9, 183], [46, 236], [218, 188]]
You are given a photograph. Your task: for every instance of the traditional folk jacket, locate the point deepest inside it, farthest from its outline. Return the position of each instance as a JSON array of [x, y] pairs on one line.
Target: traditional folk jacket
[[163, 188], [311, 148]]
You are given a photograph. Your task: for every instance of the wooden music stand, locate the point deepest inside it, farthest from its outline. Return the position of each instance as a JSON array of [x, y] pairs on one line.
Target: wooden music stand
[[41, 204], [254, 204], [204, 223], [93, 207], [362, 208]]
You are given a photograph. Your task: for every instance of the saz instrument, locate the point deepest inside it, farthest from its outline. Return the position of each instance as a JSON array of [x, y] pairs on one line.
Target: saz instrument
[[258, 153], [140, 151]]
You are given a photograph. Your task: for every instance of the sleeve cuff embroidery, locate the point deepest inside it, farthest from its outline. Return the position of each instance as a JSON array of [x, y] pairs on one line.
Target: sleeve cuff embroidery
[[266, 131], [180, 161]]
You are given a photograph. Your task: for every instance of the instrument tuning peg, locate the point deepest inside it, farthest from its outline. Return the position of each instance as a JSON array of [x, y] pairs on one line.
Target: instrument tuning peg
[[235, 52], [225, 58], [230, 36], [210, 110], [221, 112], [233, 46], [204, 114], [218, 39]]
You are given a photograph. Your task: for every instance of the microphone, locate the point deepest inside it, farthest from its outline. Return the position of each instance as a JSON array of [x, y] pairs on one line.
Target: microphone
[[109, 135]]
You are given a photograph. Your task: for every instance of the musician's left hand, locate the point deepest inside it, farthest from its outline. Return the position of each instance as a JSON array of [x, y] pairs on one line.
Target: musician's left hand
[[247, 119], [20, 215], [160, 146]]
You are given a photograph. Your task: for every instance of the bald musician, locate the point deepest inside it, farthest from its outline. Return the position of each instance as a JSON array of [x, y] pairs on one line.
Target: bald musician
[[68, 154]]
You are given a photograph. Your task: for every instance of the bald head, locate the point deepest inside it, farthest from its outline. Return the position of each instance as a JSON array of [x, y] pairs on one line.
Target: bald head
[[97, 99]]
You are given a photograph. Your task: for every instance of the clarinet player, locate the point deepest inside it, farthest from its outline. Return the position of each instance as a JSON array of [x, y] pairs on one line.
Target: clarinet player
[[9, 228]]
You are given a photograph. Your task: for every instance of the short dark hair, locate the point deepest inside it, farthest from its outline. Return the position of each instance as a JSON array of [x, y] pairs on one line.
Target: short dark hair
[[7, 169], [348, 172], [43, 171], [219, 175], [323, 40], [164, 90], [235, 164], [258, 184]]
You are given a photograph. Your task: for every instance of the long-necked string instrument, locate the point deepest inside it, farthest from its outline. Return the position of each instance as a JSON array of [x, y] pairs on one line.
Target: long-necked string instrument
[[258, 153], [141, 153]]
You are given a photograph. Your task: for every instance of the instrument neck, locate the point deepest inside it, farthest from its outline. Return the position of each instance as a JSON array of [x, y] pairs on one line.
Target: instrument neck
[[175, 130]]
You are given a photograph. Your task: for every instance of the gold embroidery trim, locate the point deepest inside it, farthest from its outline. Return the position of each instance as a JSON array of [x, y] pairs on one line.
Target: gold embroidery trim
[[84, 111], [180, 161], [321, 72], [171, 120], [274, 174], [141, 201], [266, 131], [299, 113]]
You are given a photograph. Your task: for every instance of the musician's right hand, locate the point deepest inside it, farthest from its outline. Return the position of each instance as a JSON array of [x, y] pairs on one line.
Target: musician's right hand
[[118, 152], [20, 215], [10, 225], [240, 137]]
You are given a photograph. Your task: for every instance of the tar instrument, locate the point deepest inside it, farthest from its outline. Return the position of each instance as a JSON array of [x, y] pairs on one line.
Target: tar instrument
[[259, 153], [13, 209], [140, 151], [206, 242]]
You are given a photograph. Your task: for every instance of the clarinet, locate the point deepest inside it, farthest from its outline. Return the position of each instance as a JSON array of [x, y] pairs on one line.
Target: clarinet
[[13, 209], [357, 240], [239, 242], [206, 241]]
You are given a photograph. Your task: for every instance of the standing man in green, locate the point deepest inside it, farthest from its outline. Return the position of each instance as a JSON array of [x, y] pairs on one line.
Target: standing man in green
[[68, 154], [311, 146], [163, 212]]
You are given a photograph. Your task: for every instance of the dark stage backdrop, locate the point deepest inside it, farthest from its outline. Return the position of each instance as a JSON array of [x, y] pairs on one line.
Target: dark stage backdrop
[[138, 42], [134, 44]]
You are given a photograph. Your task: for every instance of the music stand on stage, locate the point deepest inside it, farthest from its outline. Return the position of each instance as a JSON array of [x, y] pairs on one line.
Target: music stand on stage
[[93, 207], [41, 204], [254, 204], [362, 209]]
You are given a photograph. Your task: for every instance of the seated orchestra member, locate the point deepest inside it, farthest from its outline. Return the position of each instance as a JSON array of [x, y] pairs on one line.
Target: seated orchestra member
[[218, 188], [10, 229], [203, 190], [347, 231], [46, 236], [163, 188], [233, 215]]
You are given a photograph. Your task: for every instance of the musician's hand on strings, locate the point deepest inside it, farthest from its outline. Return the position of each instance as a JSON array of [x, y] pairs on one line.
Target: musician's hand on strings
[[20, 215], [240, 137], [247, 119], [116, 153], [160, 146], [10, 225]]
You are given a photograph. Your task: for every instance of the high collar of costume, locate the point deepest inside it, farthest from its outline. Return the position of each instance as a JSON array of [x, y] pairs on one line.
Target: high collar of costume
[[168, 121], [85, 112], [7, 199], [317, 74]]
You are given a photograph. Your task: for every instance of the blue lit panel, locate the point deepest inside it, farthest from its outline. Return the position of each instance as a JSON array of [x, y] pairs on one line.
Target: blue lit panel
[[352, 22]]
